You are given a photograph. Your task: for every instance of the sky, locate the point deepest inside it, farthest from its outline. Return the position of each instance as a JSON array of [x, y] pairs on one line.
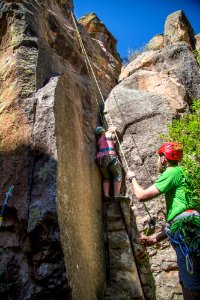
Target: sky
[[134, 23]]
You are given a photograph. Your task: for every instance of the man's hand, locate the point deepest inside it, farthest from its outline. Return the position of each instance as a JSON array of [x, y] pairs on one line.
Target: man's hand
[[130, 174], [152, 240], [148, 240]]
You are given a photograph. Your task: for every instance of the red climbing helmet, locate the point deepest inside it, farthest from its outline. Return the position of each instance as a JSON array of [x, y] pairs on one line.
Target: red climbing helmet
[[172, 150]]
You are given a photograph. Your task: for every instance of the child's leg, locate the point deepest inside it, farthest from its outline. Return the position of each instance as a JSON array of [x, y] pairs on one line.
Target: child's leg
[[117, 187], [106, 187], [106, 181], [116, 171]]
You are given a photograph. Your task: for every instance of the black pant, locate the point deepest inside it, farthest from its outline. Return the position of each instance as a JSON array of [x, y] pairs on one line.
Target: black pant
[[190, 294], [191, 281]]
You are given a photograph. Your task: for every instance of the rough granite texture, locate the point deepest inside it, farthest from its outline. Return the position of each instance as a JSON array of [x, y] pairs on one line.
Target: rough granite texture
[[58, 239]]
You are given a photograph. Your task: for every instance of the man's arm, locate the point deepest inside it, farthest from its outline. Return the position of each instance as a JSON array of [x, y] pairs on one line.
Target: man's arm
[[143, 194], [152, 240]]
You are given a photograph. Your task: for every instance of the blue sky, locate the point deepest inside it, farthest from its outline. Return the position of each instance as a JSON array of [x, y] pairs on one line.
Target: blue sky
[[134, 23]]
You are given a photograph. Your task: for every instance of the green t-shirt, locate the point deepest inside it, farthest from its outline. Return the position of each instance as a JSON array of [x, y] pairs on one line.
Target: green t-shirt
[[172, 184]]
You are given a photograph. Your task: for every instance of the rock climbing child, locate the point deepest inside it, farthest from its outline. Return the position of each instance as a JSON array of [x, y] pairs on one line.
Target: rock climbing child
[[108, 162]]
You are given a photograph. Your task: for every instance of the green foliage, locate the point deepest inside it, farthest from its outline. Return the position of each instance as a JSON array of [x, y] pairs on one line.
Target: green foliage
[[197, 56], [186, 131], [133, 54]]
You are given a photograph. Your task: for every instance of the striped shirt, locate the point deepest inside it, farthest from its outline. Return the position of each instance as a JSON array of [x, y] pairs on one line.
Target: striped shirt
[[106, 146]]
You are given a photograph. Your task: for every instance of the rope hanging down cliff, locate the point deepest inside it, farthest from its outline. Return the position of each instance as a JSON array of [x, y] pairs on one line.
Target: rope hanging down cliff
[[90, 69], [92, 75]]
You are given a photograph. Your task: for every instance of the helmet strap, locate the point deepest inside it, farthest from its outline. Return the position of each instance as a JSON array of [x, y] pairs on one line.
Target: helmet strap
[[163, 161]]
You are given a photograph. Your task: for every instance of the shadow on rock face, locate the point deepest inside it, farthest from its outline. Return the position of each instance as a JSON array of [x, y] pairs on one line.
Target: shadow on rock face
[[31, 260]]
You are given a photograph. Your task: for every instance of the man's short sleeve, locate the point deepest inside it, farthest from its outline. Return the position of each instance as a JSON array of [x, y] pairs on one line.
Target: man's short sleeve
[[166, 181]]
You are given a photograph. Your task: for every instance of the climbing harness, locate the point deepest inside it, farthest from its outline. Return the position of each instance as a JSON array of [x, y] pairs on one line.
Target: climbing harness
[[185, 233], [5, 203], [180, 241], [93, 77]]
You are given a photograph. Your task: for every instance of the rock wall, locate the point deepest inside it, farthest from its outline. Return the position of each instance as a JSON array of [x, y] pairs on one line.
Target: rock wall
[[154, 88], [51, 239], [177, 29]]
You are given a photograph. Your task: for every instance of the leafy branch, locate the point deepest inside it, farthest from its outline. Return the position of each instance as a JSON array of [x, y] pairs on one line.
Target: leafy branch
[[186, 131]]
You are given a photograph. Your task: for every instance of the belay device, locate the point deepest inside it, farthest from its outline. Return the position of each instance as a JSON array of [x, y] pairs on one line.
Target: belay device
[[152, 226], [5, 203]]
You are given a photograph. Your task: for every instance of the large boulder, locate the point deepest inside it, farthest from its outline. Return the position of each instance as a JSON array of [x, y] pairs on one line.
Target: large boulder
[[154, 88], [169, 63], [178, 28]]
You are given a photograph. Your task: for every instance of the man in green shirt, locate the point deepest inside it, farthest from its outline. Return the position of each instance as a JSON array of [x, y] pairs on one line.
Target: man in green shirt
[[184, 220], [172, 184]]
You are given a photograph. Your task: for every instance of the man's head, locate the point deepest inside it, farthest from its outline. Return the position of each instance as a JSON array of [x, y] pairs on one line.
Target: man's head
[[99, 130], [170, 154]]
